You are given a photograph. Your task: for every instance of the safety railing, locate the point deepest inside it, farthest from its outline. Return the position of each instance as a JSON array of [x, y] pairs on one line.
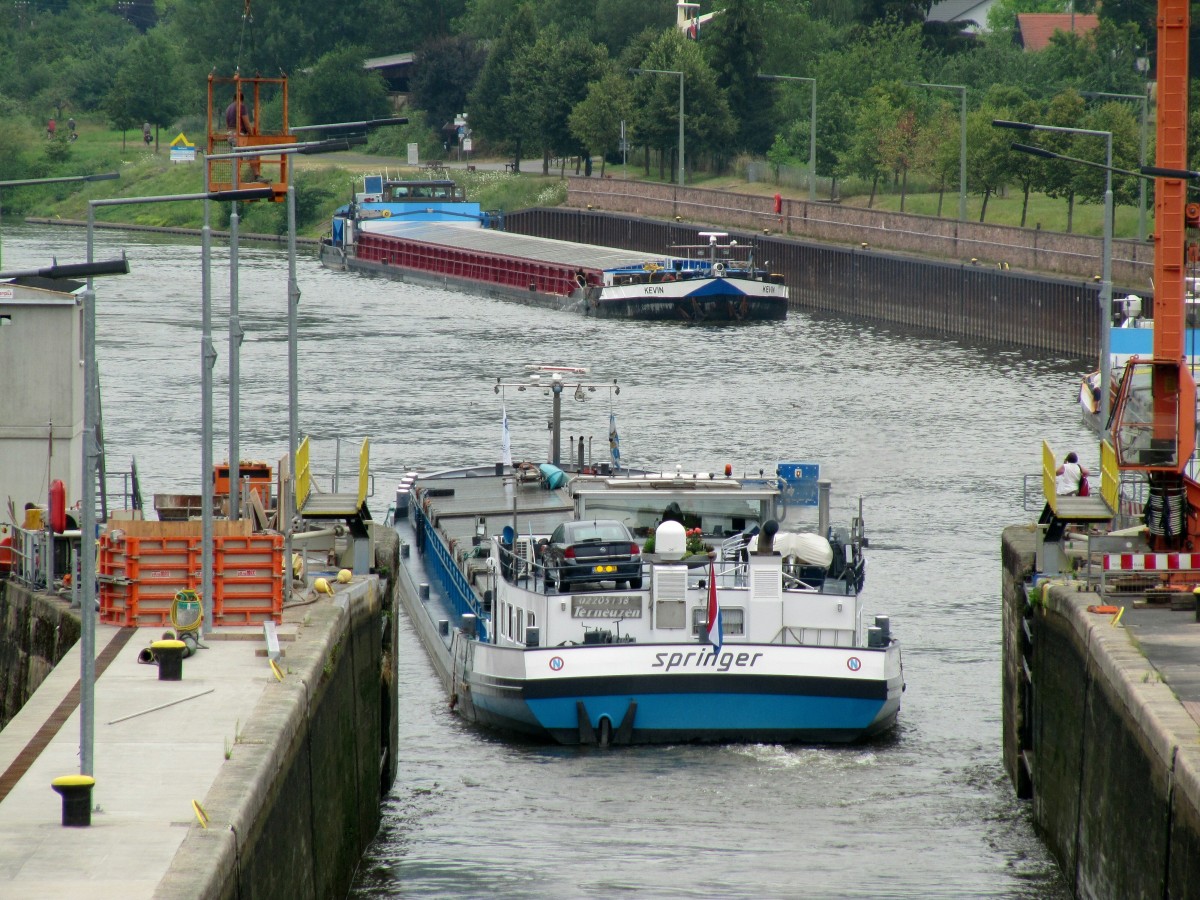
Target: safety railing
[[1130, 496], [41, 560], [522, 566]]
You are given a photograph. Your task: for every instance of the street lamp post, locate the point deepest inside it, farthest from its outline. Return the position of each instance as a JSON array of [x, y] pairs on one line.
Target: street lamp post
[[962, 142], [680, 74], [235, 338], [1144, 101], [1106, 252], [812, 130], [91, 456]]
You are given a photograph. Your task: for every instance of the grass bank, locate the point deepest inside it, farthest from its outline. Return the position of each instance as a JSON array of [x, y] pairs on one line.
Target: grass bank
[[322, 184], [325, 182]]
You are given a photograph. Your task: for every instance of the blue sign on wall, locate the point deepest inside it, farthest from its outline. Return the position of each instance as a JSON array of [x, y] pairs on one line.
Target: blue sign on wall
[[798, 483]]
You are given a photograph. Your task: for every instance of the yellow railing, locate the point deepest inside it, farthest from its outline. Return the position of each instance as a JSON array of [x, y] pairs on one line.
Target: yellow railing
[[364, 456], [1110, 475], [303, 475], [1048, 476]]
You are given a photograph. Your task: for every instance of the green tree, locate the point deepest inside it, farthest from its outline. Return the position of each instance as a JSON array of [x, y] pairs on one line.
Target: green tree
[[733, 45], [446, 70], [1139, 13], [120, 108], [495, 114], [1118, 119], [617, 23], [867, 155], [708, 125], [550, 76], [1067, 109], [990, 160], [939, 147], [885, 52], [338, 89], [596, 119], [808, 36], [1104, 60], [143, 88]]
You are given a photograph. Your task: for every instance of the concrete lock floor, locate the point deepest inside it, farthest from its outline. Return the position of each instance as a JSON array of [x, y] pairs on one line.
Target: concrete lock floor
[[148, 768]]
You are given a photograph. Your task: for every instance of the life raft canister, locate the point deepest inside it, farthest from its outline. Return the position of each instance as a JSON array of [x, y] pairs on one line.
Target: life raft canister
[[58, 506]]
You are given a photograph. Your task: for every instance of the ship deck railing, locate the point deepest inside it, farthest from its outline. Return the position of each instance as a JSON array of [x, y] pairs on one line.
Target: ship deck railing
[[522, 568]]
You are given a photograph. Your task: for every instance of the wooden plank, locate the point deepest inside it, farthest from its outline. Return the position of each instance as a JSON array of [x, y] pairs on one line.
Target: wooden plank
[[258, 513], [189, 528]]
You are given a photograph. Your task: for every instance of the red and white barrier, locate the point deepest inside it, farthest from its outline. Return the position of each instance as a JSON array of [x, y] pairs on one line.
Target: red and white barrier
[[1151, 562]]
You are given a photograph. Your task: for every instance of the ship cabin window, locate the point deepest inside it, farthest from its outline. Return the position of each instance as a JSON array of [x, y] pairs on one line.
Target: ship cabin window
[[531, 619], [733, 620], [520, 622], [400, 193], [509, 632]]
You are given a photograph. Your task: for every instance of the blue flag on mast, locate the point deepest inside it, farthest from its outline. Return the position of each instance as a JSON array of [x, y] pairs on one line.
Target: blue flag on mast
[[614, 441], [505, 439]]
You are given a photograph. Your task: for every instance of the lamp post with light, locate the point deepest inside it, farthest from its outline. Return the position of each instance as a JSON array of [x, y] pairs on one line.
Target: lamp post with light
[[554, 379], [91, 457]]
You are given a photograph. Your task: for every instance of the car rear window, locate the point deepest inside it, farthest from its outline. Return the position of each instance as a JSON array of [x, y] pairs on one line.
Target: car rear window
[[593, 531]]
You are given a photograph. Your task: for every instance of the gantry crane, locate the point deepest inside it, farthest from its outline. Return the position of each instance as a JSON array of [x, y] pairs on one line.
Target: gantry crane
[[1154, 416]]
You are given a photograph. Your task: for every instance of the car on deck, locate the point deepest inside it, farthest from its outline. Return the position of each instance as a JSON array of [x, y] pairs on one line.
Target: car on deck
[[592, 551]]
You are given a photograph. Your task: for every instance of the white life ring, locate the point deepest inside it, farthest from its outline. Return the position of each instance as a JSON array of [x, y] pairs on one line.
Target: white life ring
[[719, 269]]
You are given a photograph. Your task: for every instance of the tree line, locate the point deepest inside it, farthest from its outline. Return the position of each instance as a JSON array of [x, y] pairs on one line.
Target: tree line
[[555, 79]]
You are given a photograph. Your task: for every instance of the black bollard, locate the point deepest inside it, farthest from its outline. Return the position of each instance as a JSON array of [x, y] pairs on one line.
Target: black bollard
[[170, 659], [76, 792]]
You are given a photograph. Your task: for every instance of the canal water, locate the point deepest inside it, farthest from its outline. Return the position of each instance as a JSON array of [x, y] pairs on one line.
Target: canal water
[[934, 436]]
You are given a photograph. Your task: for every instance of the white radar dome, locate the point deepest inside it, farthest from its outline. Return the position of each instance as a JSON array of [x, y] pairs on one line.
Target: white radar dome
[[670, 541]]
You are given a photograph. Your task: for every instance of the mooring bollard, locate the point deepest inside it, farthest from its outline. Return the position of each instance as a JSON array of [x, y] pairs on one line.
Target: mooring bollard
[[76, 792], [169, 655]]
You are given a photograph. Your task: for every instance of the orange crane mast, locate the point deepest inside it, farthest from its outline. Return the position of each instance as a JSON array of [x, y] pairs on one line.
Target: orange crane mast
[[1154, 418]]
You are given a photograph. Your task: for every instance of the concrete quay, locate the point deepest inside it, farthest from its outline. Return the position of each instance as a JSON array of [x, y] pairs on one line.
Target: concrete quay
[[286, 773], [1102, 730]]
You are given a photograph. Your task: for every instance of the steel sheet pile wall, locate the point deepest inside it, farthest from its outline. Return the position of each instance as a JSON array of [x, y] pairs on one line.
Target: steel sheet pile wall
[[950, 299]]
